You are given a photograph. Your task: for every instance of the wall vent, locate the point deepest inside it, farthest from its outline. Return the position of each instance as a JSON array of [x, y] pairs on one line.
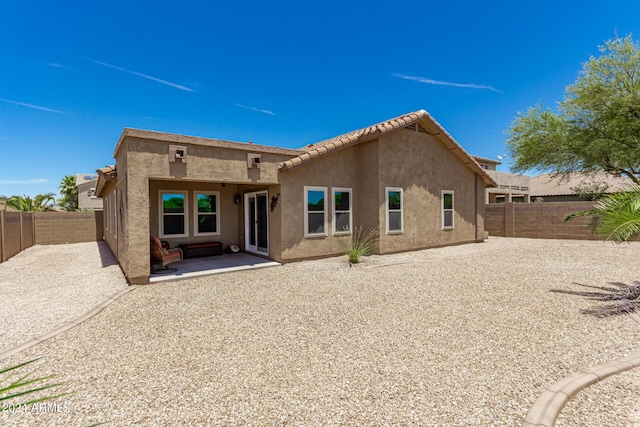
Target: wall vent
[[253, 160], [178, 153]]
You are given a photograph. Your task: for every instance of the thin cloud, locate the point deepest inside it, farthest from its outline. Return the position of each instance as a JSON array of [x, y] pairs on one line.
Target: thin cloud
[[35, 107], [442, 83], [271, 113], [25, 181], [57, 65], [144, 76]]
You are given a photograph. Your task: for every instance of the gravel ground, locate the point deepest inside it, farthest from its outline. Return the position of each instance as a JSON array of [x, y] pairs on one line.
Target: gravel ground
[[46, 286], [603, 403], [465, 335]]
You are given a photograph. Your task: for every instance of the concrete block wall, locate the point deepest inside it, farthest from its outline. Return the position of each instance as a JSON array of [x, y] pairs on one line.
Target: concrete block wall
[[21, 230], [52, 228], [16, 233], [539, 220]]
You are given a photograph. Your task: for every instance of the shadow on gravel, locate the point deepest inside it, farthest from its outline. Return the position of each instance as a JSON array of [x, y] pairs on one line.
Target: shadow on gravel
[[106, 256], [617, 298]]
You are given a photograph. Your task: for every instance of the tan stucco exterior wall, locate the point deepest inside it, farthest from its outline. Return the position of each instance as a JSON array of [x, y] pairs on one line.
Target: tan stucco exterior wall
[[85, 201], [423, 167], [415, 161], [205, 168], [341, 169]]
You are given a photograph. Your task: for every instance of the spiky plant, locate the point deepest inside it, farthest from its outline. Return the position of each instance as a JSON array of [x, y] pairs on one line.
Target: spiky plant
[[361, 243], [14, 386], [618, 215]]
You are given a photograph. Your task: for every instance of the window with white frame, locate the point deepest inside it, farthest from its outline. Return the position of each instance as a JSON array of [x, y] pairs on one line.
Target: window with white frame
[[341, 211], [114, 202], [206, 213], [447, 210], [173, 214], [107, 211], [394, 203], [315, 211]]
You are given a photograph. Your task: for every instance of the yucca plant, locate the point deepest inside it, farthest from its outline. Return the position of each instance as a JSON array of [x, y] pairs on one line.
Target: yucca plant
[[14, 385], [361, 244]]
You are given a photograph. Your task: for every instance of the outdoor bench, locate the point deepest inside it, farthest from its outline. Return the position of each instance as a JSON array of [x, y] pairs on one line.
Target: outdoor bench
[[193, 250]]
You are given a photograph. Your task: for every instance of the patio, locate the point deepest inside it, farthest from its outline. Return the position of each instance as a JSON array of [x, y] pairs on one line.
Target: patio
[[225, 263]]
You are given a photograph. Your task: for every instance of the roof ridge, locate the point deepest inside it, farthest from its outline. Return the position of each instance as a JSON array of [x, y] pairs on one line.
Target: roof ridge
[[393, 123]]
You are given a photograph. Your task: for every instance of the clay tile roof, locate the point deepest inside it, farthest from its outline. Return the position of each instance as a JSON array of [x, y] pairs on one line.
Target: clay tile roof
[[313, 151], [106, 175], [109, 172], [563, 185]]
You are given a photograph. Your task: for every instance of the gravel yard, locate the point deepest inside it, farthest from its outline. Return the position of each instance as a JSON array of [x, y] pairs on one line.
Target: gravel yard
[[464, 335], [47, 285]]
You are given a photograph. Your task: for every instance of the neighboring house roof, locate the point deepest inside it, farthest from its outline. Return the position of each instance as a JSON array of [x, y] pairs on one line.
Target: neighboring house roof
[[81, 178], [486, 160], [419, 120], [563, 185]]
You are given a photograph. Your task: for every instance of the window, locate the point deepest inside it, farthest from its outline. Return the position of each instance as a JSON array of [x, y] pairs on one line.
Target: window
[[394, 210], [173, 214], [447, 210], [114, 203], [107, 211], [315, 211], [341, 211], [206, 213]]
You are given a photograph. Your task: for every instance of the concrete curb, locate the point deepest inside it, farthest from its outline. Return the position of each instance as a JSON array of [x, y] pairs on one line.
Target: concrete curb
[[545, 410], [66, 326]]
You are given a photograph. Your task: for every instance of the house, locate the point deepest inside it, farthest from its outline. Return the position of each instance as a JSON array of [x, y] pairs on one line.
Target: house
[[575, 186], [86, 185], [509, 187], [5, 207], [406, 176]]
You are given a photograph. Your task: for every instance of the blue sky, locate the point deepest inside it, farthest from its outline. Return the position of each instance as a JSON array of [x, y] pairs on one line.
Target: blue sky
[[75, 73]]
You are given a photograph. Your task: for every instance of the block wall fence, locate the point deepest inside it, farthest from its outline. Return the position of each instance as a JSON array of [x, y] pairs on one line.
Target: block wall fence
[[539, 220], [21, 230]]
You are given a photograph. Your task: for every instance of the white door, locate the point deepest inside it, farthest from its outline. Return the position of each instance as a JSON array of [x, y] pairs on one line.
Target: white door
[[256, 221]]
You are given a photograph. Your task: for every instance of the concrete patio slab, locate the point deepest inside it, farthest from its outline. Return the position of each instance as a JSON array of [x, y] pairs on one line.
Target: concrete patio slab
[[204, 266]]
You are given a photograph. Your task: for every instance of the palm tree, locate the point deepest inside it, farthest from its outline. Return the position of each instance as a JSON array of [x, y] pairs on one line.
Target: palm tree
[[618, 215], [69, 191], [39, 203]]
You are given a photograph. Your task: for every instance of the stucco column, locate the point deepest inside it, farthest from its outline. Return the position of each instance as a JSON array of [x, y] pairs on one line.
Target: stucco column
[[137, 229], [480, 202]]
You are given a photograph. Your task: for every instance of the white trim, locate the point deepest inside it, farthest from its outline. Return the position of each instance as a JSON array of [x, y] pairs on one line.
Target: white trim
[[115, 213], [161, 213], [247, 246], [350, 211], [196, 213], [306, 211], [105, 218], [443, 210], [401, 210]]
